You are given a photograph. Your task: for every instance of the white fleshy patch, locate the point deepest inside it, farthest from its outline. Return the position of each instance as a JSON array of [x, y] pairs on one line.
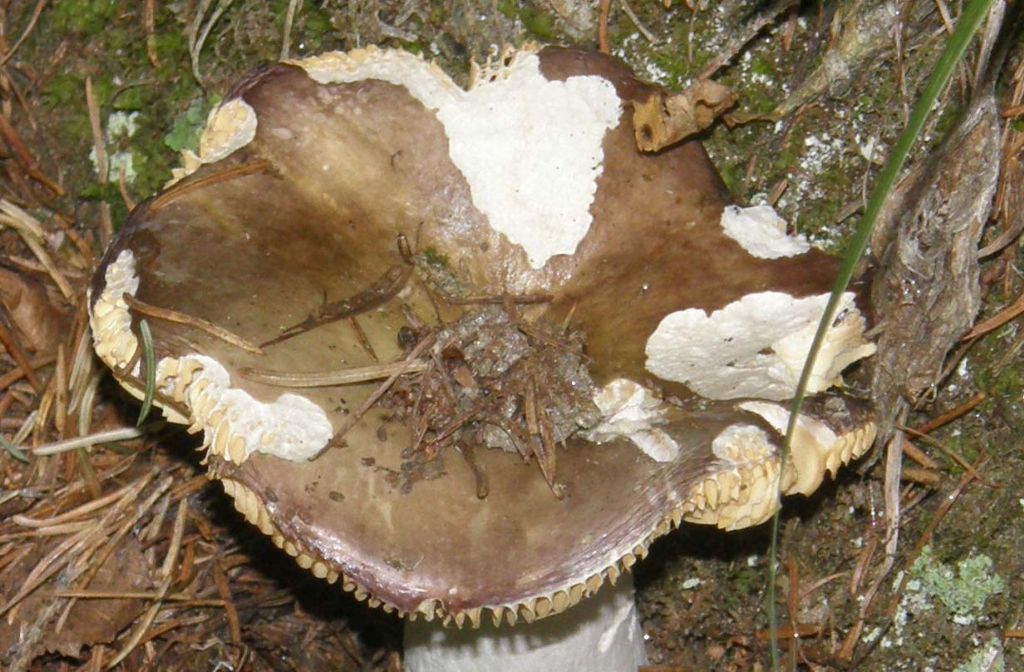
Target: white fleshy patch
[[742, 445], [292, 427], [809, 450], [109, 318], [229, 127], [761, 232], [746, 492], [530, 149], [631, 411], [121, 277], [778, 417], [756, 346]]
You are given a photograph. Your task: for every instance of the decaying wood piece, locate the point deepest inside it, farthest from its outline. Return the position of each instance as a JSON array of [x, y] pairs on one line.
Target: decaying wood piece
[[927, 293]]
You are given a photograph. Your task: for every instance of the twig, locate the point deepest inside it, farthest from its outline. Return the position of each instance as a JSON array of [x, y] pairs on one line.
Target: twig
[[189, 600], [168, 315], [920, 476], [940, 512], [32, 233], [919, 456], [643, 30], [78, 512], [60, 386], [950, 415], [14, 375], [182, 188], [952, 454], [602, 26], [500, 299], [165, 570], [25, 33], [354, 375], [199, 39], [24, 157], [63, 553], [98, 141], [361, 337], [893, 464], [286, 38], [220, 579], [1012, 311], [791, 632], [122, 434], [810, 589], [122, 187], [149, 20]]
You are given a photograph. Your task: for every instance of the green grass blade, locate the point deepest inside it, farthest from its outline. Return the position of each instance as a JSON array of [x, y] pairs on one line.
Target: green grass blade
[[150, 366], [970, 20], [13, 450]]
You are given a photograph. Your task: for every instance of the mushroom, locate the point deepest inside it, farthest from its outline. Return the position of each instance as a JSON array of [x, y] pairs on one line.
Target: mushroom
[[467, 352]]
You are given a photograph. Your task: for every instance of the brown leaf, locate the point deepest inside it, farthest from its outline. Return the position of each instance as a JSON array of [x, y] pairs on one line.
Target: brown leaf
[[662, 120], [40, 324], [91, 621]]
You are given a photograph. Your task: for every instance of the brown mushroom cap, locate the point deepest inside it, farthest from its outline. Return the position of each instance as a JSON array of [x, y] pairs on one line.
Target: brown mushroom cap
[[310, 174]]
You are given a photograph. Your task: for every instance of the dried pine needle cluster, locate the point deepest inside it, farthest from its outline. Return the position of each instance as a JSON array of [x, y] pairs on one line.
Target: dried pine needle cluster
[[494, 380]]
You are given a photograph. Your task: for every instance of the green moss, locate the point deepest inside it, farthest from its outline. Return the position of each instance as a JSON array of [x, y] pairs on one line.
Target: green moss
[[1005, 386], [762, 65], [188, 125], [171, 48], [318, 28], [63, 90], [509, 8], [435, 258], [418, 48], [86, 17], [133, 98], [540, 25]]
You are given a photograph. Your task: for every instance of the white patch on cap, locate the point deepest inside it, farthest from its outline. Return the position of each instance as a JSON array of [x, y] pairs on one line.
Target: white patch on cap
[[630, 411], [229, 127], [530, 149], [756, 346], [761, 232], [292, 427]]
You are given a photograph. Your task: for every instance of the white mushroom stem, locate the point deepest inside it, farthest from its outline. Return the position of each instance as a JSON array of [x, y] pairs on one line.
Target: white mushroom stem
[[601, 634]]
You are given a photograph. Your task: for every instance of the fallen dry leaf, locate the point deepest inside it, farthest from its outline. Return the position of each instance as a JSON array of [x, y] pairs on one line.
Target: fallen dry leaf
[[39, 322], [662, 120]]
